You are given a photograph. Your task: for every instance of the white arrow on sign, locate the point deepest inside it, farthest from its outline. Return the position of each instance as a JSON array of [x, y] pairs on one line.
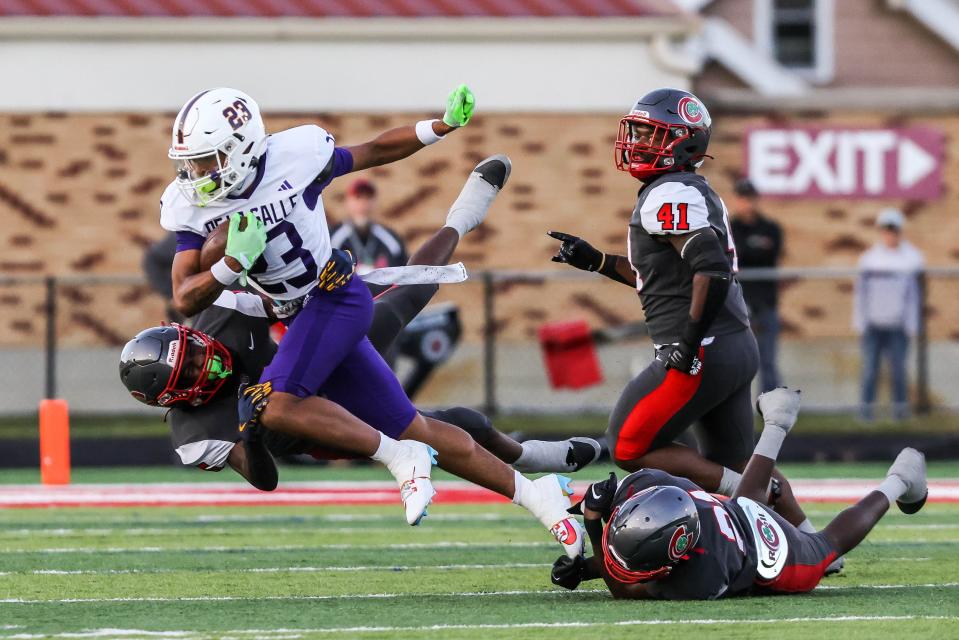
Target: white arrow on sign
[[914, 163]]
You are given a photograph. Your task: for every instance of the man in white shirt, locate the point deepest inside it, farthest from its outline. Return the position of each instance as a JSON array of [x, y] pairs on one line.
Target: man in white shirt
[[887, 309]]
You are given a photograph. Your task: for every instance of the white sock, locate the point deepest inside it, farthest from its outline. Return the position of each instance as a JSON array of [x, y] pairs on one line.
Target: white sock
[[806, 526], [892, 487], [539, 455], [387, 451], [770, 441], [528, 496], [522, 487], [470, 207], [729, 482]]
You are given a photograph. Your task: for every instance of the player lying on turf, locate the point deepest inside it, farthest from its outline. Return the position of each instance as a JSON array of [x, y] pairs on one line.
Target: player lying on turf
[[666, 538], [205, 412]]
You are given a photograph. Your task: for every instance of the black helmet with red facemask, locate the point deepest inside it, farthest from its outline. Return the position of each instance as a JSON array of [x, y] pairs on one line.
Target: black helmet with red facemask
[[649, 533], [171, 365], [667, 130]]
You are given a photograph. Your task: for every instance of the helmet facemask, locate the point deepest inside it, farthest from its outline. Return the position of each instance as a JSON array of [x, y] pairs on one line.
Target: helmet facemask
[[201, 366], [645, 147], [207, 176]]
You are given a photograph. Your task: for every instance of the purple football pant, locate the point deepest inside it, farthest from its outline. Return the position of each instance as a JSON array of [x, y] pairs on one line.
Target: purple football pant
[[326, 352]]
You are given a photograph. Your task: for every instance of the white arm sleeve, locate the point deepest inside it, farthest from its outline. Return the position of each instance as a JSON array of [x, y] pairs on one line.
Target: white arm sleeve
[[209, 455], [249, 304], [676, 219]]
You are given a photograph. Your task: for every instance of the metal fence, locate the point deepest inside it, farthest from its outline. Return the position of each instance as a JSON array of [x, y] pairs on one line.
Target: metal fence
[[497, 372]]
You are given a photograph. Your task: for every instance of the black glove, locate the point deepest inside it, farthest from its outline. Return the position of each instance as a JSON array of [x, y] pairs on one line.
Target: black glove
[[252, 400], [338, 271], [599, 497], [568, 572], [576, 252], [681, 357]]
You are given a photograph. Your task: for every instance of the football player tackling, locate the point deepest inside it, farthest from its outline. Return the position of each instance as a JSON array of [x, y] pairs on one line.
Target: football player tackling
[[666, 538]]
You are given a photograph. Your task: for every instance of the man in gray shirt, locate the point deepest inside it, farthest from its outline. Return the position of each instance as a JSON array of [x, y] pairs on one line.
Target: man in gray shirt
[[886, 309]]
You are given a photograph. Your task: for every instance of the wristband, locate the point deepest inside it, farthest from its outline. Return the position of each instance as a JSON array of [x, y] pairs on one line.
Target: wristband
[[223, 274], [425, 133]]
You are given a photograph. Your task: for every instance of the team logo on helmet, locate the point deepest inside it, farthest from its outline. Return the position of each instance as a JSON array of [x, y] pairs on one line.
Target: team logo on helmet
[[680, 543], [690, 110], [767, 533]]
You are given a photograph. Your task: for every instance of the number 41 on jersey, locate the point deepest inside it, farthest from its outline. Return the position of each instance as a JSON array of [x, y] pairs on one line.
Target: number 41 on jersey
[[673, 216]]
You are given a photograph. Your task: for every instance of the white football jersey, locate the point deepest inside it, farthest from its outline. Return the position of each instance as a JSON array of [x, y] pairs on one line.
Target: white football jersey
[[284, 194]]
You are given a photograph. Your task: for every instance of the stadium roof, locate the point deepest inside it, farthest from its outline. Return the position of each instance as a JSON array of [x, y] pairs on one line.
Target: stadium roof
[[338, 8]]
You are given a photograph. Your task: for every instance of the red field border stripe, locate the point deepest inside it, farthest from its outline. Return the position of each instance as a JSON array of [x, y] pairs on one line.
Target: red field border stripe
[[350, 493]]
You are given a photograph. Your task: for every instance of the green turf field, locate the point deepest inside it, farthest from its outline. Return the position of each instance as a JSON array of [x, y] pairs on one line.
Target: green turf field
[[468, 572]]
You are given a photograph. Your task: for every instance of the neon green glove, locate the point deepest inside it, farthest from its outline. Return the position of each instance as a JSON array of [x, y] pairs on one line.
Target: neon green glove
[[459, 106], [245, 240]]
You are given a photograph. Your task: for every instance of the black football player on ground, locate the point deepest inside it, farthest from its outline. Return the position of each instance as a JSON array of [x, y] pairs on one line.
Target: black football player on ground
[[666, 538]]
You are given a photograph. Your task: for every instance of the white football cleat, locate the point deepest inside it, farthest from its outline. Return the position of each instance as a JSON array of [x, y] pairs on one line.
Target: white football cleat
[[412, 471], [482, 186], [779, 407], [549, 505], [910, 467]]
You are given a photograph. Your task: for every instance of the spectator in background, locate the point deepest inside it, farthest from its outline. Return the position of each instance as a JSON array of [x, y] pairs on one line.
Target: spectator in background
[[759, 242], [886, 309], [373, 245], [157, 265]]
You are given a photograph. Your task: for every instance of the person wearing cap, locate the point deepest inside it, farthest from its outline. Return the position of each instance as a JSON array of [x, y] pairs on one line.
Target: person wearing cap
[[759, 242], [372, 244], [886, 309]]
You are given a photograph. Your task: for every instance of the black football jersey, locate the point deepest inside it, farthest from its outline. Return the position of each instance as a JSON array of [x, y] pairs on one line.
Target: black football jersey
[[203, 436], [723, 561], [678, 203]]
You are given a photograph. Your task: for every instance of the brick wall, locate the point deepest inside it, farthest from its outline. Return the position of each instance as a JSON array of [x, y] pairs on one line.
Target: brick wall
[[79, 194]]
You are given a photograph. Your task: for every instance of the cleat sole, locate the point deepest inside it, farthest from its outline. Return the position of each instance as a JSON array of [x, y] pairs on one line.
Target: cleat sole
[[910, 508], [564, 484]]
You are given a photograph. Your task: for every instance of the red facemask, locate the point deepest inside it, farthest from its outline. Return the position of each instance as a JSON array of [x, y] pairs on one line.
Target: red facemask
[[644, 147], [620, 572], [200, 368]]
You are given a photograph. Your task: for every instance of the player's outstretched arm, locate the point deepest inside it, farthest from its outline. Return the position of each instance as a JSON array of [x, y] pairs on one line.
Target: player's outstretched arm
[[403, 142], [253, 461], [578, 253]]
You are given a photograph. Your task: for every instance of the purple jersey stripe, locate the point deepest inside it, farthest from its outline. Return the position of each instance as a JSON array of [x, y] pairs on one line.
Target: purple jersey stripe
[[342, 164], [187, 241]]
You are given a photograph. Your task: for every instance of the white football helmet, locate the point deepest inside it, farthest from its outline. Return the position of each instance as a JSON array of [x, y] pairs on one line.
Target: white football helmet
[[218, 138]]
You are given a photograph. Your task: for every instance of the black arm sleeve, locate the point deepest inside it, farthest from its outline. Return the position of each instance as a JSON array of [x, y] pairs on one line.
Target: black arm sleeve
[[706, 258], [609, 269]]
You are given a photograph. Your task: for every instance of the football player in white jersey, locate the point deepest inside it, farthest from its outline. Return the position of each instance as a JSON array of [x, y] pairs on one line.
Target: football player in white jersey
[[229, 168]]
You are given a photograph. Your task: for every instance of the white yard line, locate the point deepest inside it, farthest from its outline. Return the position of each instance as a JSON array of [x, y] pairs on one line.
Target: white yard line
[[440, 544], [298, 633], [338, 568], [391, 596], [354, 596]]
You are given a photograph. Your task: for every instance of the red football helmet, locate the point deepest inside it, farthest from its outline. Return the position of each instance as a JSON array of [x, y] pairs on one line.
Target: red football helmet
[[667, 130]]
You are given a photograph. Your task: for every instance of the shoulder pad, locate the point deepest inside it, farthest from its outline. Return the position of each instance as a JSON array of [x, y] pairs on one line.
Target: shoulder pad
[[673, 207]]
